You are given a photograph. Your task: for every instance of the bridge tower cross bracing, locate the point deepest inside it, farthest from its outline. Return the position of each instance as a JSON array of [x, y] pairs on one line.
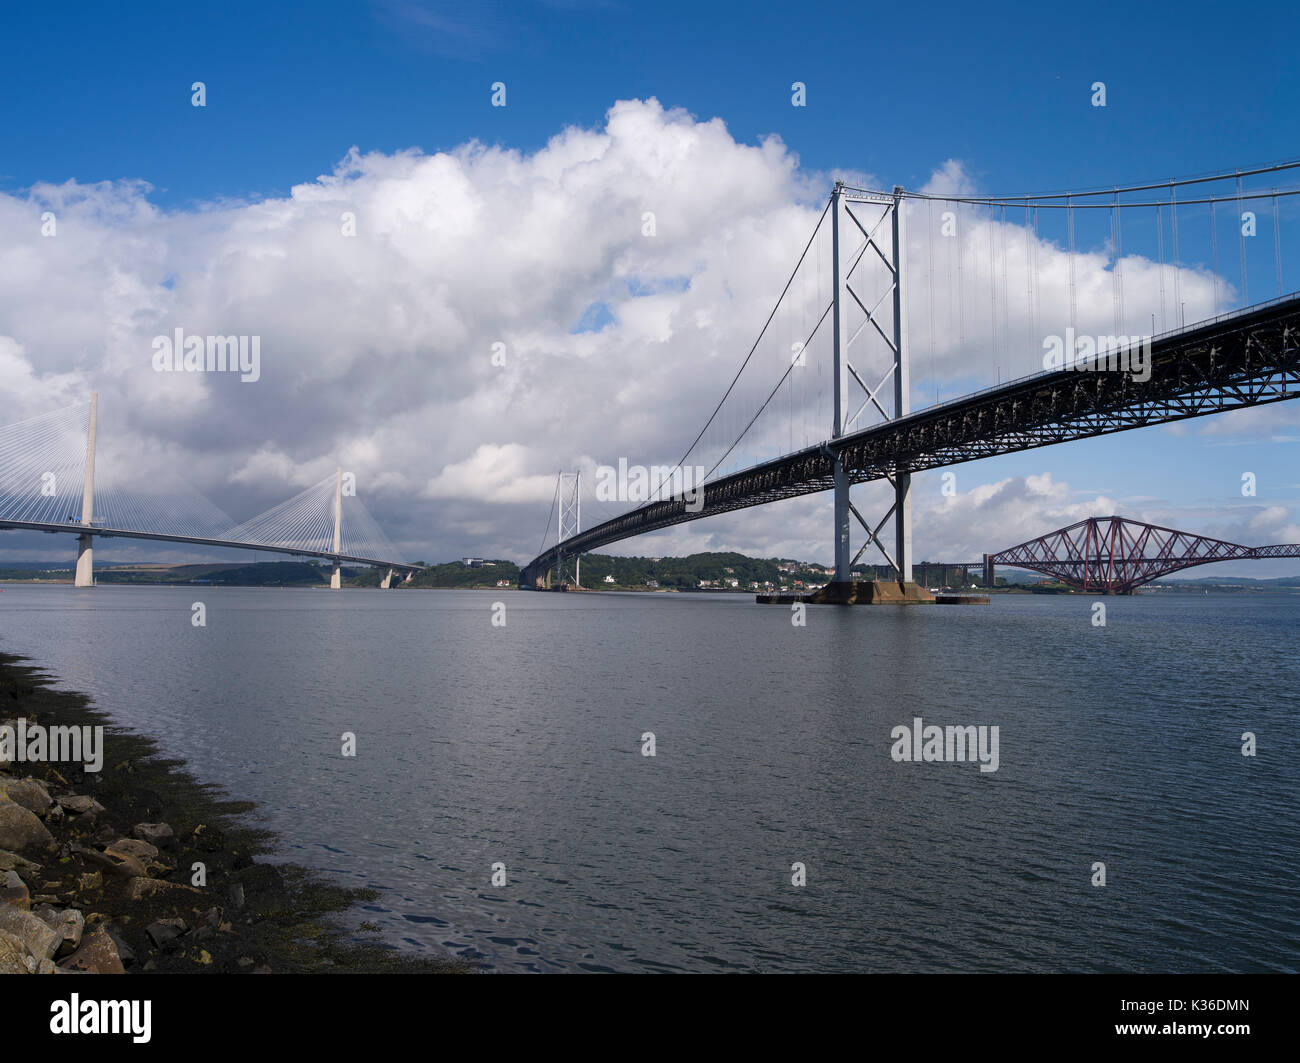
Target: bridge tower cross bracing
[[85, 576], [844, 296], [336, 576], [570, 524]]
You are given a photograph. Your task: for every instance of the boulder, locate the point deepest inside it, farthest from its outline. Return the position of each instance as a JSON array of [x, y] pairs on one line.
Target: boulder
[[124, 950], [14, 891], [80, 804], [164, 931], [139, 888], [38, 939], [14, 862], [142, 851], [13, 955], [156, 834], [20, 829], [69, 924], [114, 863], [98, 954], [29, 793]]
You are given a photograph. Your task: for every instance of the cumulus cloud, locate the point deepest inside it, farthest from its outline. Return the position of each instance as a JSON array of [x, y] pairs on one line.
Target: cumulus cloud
[[498, 315]]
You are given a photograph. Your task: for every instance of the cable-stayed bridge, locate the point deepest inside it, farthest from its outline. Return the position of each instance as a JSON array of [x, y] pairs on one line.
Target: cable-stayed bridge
[[47, 484], [920, 330]]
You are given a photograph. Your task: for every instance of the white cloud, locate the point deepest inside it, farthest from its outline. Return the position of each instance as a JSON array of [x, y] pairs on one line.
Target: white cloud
[[377, 349]]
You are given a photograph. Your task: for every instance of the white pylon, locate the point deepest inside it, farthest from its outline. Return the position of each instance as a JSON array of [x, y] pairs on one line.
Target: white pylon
[[336, 576], [85, 552]]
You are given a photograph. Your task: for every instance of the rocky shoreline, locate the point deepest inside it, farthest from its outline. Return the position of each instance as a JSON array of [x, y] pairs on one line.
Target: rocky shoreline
[[97, 869]]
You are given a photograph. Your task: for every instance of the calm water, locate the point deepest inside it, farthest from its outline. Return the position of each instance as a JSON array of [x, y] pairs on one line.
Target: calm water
[[522, 745]]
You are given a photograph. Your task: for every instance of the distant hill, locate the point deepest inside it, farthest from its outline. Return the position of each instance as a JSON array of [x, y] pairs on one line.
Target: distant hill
[[254, 574], [453, 574], [1244, 582], [709, 571]]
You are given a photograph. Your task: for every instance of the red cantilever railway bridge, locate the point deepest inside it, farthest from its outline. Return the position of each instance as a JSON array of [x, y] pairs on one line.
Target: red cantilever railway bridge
[[1115, 555]]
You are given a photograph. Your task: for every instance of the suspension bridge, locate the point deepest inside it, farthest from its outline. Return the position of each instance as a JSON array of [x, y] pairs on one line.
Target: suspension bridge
[[1010, 323], [47, 484]]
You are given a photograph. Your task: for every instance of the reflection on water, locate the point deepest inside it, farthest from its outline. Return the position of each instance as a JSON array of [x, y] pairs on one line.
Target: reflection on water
[[522, 745]]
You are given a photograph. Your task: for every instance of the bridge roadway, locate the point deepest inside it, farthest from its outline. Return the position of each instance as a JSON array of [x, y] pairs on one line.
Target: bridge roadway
[[75, 528], [1246, 358]]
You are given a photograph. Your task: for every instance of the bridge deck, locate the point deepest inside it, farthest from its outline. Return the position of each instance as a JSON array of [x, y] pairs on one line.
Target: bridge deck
[[74, 528], [1246, 358]]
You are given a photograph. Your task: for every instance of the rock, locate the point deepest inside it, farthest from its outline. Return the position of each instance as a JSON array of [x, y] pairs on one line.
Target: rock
[[139, 888], [98, 954], [69, 925], [37, 938], [114, 863], [80, 804], [142, 851], [124, 951], [46, 967], [165, 931], [14, 862], [236, 895], [29, 793], [20, 829], [106, 835], [13, 955], [158, 834], [14, 891], [92, 881]]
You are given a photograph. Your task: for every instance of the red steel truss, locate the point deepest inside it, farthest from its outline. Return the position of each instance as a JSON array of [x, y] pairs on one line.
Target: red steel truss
[[1114, 555]]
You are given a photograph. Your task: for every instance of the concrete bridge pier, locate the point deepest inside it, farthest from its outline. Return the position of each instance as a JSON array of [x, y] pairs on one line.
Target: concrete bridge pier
[[387, 581], [85, 553], [85, 562], [336, 577]]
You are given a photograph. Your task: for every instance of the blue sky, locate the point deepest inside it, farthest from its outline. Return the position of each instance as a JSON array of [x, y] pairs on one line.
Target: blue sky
[[99, 93]]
